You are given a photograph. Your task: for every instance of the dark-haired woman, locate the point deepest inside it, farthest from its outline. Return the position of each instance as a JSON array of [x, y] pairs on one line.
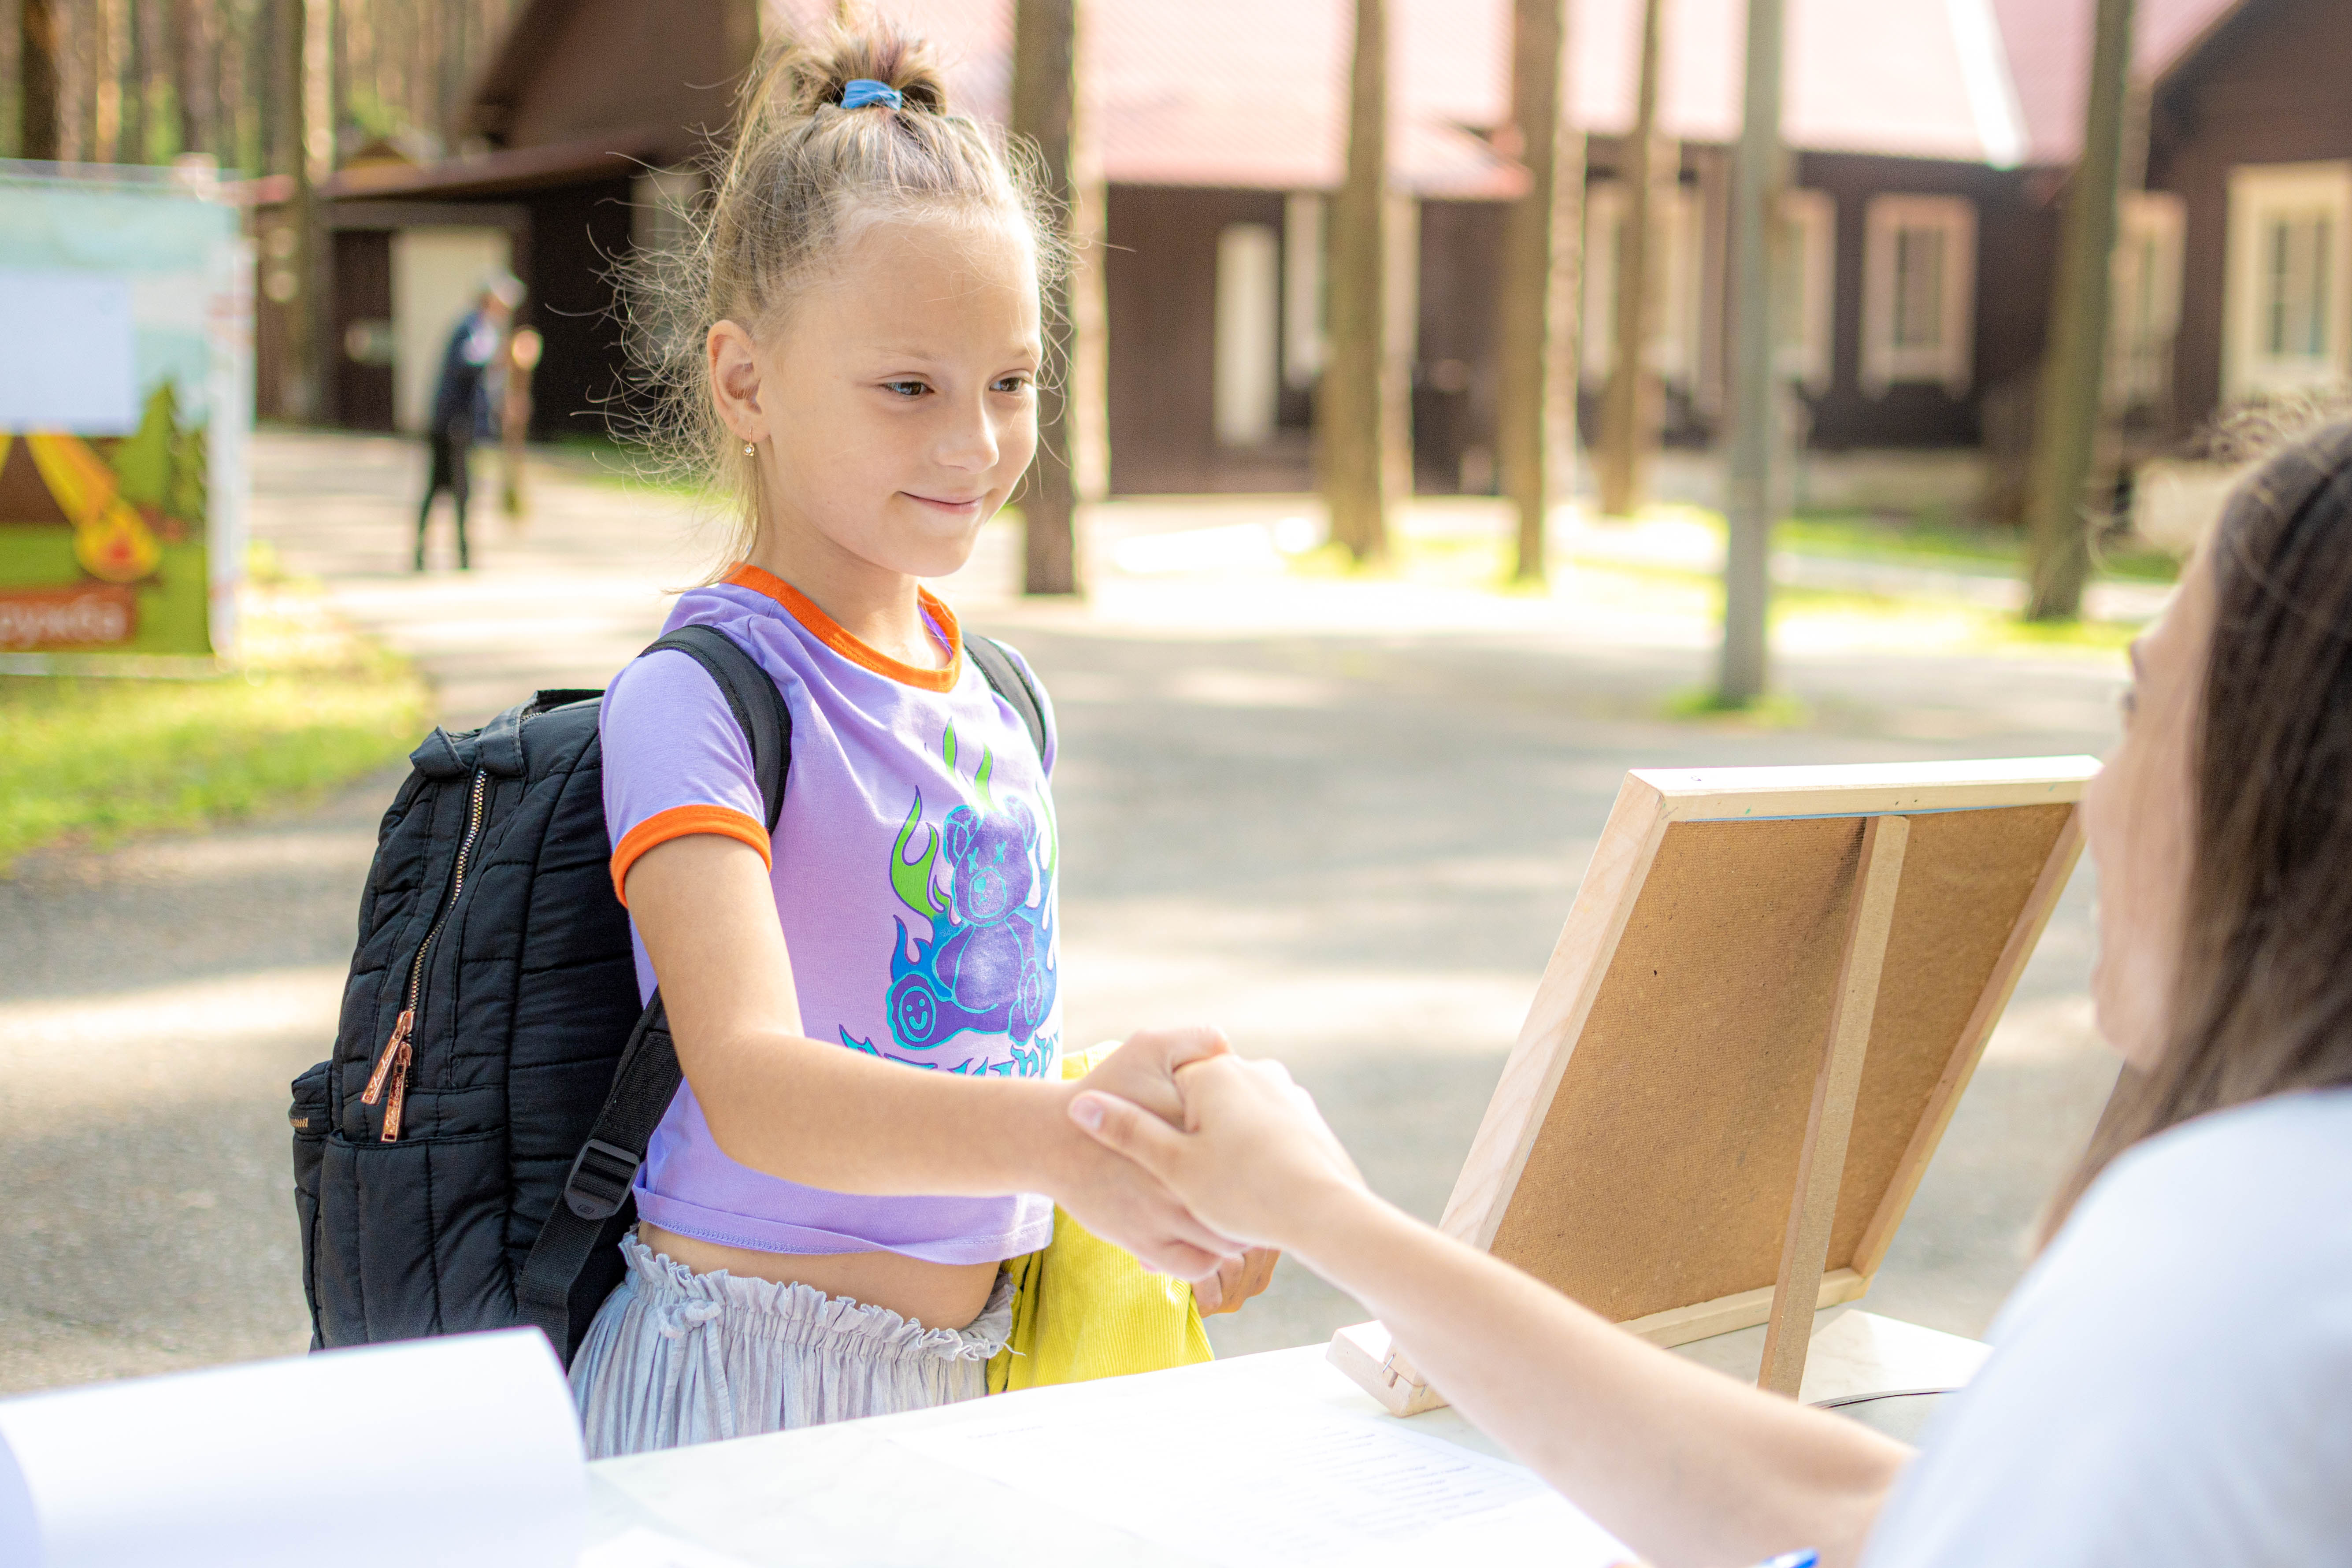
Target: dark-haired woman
[[2171, 1386]]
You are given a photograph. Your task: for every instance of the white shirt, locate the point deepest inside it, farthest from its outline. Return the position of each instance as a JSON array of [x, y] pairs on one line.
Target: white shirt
[[2172, 1384]]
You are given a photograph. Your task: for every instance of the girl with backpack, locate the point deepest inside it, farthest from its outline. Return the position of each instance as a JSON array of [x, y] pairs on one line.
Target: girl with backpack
[[823, 1223]]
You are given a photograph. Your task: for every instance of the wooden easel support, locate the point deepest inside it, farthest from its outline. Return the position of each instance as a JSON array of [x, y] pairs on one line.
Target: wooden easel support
[[1804, 1251]]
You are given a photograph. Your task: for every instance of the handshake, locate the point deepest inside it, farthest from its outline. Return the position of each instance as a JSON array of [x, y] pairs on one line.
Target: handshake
[[1203, 1164]]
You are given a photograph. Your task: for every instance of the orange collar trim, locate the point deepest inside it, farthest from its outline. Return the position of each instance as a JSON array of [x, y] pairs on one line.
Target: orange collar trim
[[829, 631]]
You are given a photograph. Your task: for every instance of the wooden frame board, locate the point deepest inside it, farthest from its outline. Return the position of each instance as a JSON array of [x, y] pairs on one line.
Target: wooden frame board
[[1772, 989]]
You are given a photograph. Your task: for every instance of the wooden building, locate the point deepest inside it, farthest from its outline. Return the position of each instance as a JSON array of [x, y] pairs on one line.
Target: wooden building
[[2250, 161], [1931, 141]]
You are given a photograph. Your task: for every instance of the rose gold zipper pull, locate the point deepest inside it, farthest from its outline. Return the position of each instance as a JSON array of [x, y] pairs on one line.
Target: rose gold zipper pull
[[391, 1068], [392, 1048], [399, 1098]]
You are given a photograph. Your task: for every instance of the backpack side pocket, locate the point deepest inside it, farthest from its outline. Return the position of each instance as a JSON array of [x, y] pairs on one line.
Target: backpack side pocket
[[310, 1117]]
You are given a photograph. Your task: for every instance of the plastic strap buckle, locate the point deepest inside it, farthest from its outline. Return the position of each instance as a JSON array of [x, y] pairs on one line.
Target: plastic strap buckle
[[599, 1181]]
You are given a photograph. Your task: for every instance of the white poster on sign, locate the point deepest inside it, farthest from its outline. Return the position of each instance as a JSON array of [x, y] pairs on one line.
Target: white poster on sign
[[66, 360]]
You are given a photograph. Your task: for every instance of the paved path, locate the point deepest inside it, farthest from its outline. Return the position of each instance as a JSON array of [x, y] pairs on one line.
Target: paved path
[[1344, 820]]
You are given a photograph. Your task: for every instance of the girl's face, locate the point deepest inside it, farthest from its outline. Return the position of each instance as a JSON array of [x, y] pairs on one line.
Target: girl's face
[[2137, 814], [894, 407]]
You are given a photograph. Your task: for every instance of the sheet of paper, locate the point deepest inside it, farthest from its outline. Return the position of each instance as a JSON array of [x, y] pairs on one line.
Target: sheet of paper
[[643, 1548], [1290, 1486], [66, 352], [462, 1452]]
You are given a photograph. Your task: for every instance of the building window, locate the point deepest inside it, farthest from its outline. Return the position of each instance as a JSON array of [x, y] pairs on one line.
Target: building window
[[1920, 293], [1248, 322], [2146, 301], [2287, 293], [1804, 286], [1679, 266]]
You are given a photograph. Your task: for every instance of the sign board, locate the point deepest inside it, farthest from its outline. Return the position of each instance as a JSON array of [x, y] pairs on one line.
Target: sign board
[[1772, 991], [125, 401]]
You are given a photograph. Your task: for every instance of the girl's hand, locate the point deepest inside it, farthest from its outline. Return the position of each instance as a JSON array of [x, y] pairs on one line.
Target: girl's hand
[[1143, 1070], [1253, 1159], [1236, 1281]]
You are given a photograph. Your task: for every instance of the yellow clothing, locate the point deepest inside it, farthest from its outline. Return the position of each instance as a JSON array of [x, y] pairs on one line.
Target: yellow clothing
[[1083, 1308]]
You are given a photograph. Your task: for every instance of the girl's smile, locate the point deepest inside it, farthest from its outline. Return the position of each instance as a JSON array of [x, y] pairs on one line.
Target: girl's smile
[[892, 409]]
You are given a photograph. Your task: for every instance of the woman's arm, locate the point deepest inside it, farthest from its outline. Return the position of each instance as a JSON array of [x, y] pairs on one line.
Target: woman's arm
[[1684, 1464], [816, 1113]]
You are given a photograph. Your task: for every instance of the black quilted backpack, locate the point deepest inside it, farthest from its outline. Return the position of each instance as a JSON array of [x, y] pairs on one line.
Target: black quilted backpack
[[463, 1161]]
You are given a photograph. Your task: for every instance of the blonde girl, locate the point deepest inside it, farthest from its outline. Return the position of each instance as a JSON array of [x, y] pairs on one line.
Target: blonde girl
[[822, 1222]]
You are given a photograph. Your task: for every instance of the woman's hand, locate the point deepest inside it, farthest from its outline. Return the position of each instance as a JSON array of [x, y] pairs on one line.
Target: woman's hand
[[1127, 1206], [1119, 1200], [1253, 1156]]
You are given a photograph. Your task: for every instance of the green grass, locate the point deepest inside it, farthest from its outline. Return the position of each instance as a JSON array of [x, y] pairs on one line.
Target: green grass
[[1931, 540], [88, 761], [1773, 710]]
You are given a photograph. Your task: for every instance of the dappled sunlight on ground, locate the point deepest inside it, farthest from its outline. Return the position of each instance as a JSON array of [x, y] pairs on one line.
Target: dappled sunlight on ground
[[1342, 814]]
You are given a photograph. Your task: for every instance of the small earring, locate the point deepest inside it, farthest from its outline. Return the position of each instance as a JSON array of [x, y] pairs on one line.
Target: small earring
[[749, 450]]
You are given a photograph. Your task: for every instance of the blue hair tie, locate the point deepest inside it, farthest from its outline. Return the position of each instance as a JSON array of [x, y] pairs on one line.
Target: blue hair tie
[[865, 90]]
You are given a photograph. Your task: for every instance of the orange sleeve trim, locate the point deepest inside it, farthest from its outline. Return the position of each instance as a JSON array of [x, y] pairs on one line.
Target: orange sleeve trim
[[678, 822], [830, 632]]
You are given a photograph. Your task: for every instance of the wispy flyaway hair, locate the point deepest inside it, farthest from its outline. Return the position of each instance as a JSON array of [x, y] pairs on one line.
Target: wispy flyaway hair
[[804, 174]]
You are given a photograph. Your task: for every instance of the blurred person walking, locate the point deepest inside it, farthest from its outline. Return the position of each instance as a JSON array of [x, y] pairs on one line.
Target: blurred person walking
[[461, 404]]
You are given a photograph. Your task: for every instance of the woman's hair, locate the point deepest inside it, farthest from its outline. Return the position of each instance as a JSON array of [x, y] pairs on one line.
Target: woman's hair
[[802, 176], [2263, 1001]]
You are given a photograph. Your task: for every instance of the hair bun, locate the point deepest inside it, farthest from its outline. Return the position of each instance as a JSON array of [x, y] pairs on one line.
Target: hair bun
[[812, 76]]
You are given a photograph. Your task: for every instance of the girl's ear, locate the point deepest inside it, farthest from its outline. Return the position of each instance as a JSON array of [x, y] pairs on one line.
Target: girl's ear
[[735, 380]]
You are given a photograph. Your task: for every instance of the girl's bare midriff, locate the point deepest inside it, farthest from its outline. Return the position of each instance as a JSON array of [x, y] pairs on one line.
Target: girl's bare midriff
[[937, 1295]]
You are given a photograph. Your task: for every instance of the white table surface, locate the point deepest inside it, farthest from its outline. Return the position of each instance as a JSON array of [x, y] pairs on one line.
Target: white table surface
[[890, 1491]]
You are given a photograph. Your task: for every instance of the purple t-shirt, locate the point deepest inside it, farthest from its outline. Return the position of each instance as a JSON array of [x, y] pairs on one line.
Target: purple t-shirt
[[913, 867]]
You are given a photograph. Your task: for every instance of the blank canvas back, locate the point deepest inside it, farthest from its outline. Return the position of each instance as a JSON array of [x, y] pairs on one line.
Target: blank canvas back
[[1682, 1024]]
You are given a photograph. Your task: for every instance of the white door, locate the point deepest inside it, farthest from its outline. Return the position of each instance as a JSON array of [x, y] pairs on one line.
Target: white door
[[436, 277]]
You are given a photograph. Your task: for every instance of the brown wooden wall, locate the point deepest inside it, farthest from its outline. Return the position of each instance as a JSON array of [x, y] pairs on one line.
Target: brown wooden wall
[[2016, 251], [359, 395], [578, 233], [2273, 86], [1161, 284]]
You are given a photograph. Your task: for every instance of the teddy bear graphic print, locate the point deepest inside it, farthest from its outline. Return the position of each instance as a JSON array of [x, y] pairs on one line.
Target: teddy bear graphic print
[[980, 960]]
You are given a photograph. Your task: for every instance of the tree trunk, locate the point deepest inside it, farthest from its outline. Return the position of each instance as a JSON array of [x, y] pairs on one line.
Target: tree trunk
[[191, 78], [2066, 428], [1757, 178], [290, 97], [39, 132], [1537, 326], [1045, 111], [1355, 424], [131, 129], [1630, 407]]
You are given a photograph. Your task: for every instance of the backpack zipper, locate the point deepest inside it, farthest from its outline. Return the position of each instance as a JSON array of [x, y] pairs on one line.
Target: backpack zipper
[[391, 1068]]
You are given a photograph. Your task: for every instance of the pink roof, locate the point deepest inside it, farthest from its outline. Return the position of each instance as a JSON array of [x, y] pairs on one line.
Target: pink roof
[[2050, 58], [1251, 93], [1246, 93]]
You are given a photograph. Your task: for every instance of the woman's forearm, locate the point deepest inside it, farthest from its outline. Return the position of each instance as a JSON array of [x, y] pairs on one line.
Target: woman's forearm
[[1685, 1464]]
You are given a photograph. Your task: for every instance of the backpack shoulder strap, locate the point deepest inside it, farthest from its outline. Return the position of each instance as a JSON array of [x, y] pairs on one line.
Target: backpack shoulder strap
[[556, 1289], [1011, 683], [751, 695]]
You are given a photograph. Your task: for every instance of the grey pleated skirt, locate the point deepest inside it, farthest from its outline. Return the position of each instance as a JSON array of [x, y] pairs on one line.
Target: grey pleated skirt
[[676, 1357]]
